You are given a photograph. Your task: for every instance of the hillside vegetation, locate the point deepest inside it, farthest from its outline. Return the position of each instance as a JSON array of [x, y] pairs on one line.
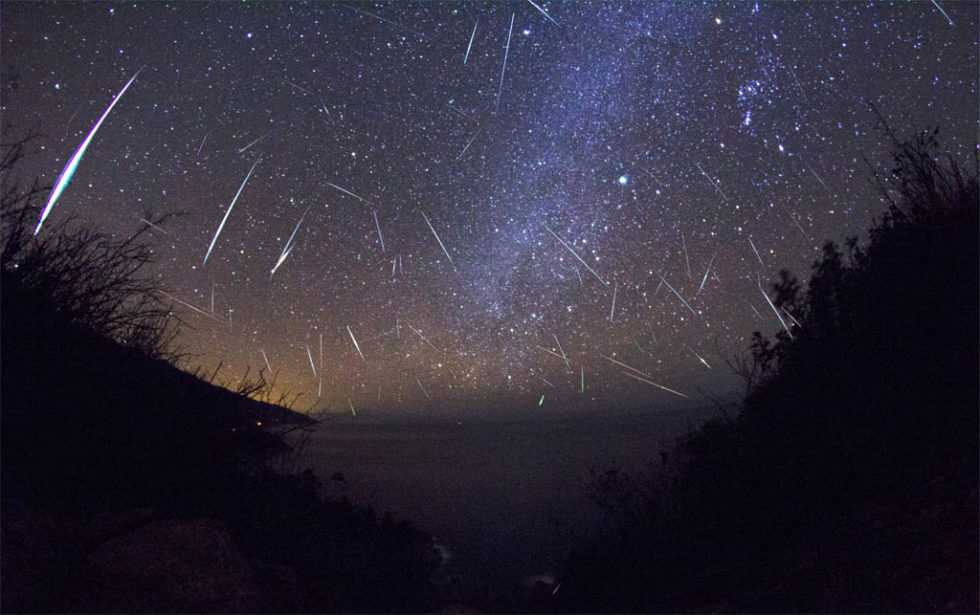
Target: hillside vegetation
[[132, 486], [847, 482]]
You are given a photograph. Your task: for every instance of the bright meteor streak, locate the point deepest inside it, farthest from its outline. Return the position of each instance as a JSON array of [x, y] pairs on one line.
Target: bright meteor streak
[[543, 12], [437, 237], [227, 213], [504, 69], [69, 169], [567, 247], [356, 345], [470, 46], [348, 192]]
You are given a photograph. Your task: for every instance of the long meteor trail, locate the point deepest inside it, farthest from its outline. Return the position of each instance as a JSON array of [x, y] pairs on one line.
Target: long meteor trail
[[348, 192], [659, 386], [543, 12], [356, 345], [227, 213], [504, 69], [686, 304], [69, 169], [378, 225], [567, 247], [289, 245], [470, 46], [437, 237], [242, 150]]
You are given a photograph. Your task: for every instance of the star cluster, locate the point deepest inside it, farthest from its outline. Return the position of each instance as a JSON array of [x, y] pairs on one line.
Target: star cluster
[[480, 204]]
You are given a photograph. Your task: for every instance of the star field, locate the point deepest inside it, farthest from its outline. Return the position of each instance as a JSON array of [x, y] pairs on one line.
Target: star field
[[582, 210]]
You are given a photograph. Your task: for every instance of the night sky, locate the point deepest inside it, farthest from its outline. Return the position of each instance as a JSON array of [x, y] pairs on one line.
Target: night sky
[[499, 202]]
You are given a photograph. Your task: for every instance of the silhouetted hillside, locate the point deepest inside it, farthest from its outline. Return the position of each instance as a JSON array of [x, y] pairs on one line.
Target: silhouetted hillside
[[129, 485], [848, 482]]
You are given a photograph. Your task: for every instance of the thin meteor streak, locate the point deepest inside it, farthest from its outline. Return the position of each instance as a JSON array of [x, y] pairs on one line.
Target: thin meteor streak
[[612, 310], [686, 304], [686, 259], [626, 366], [563, 356], [350, 402], [943, 12], [302, 89], [706, 271], [321, 351], [73, 115], [345, 191], [798, 84], [202, 145], [437, 237], [470, 46], [713, 182], [546, 382], [423, 389], [212, 296], [567, 247], [266, 359], [583, 377], [69, 170], [394, 261], [756, 251], [659, 386], [795, 322], [769, 301], [396, 24], [188, 305], [312, 366], [150, 224], [543, 12], [289, 244], [504, 69], [469, 144], [228, 213], [700, 358], [820, 179], [424, 339], [378, 225], [356, 345], [552, 352], [755, 310], [242, 150], [793, 218], [325, 108]]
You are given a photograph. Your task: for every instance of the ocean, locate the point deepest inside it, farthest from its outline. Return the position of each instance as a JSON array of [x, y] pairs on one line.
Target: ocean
[[504, 499]]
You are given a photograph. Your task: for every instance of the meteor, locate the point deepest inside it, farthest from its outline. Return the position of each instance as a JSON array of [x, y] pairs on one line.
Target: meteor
[[242, 150], [348, 192], [227, 213], [567, 247], [356, 345], [470, 46], [504, 69], [543, 12], [69, 169], [378, 224], [289, 245], [659, 386], [437, 237]]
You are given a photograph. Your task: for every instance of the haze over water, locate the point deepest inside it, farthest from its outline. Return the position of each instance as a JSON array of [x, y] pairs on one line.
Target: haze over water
[[504, 496]]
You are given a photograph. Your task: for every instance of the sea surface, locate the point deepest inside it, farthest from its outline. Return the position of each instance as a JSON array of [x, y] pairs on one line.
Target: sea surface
[[503, 498]]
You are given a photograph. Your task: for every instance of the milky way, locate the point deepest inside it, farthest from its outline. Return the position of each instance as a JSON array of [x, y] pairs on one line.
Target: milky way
[[477, 205]]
